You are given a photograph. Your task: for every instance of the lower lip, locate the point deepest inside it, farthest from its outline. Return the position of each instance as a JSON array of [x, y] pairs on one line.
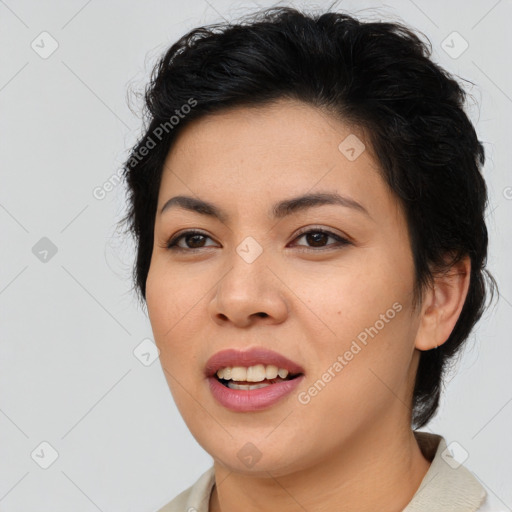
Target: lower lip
[[246, 400]]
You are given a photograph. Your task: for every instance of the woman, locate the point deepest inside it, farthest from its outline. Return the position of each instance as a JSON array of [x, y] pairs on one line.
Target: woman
[[308, 208]]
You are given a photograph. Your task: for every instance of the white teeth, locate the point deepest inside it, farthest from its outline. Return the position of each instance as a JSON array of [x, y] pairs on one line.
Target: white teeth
[[282, 373], [256, 373], [238, 373], [271, 371]]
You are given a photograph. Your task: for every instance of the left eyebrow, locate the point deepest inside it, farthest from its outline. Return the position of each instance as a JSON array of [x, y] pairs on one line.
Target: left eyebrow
[[278, 210]]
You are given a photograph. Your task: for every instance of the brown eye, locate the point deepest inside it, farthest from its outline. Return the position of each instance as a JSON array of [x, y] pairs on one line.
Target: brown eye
[[319, 238], [193, 240], [316, 238]]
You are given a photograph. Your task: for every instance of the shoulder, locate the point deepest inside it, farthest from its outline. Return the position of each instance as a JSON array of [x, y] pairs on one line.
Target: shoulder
[[195, 498]]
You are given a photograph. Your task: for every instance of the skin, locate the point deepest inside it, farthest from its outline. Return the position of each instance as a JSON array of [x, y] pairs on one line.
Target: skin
[[352, 444]]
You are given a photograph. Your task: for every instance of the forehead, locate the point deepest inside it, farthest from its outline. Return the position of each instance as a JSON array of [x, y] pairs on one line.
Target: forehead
[[257, 154]]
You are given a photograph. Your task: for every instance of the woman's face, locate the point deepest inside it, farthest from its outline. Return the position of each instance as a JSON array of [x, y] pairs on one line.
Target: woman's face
[[341, 310]]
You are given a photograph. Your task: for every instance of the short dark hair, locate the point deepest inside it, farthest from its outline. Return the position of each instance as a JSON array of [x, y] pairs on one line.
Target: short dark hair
[[375, 75]]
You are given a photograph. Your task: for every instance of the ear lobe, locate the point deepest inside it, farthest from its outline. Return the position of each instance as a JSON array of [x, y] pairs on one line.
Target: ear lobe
[[442, 305]]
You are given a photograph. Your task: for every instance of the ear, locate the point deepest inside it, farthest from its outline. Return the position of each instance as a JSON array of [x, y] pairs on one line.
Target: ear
[[442, 305]]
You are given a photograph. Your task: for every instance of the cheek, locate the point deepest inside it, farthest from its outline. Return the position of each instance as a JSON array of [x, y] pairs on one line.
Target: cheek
[[170, 302], [160, 303], [351, 296], [176, 308], [364, 308], [169, 296]]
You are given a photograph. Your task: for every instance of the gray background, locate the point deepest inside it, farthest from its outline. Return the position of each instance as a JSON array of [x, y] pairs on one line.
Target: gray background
[[69, 322]]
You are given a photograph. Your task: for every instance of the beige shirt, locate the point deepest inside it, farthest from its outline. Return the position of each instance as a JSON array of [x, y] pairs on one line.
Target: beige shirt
[[446, 487]]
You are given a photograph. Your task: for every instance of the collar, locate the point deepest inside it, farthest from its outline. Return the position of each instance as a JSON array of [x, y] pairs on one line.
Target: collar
[[447, 485]]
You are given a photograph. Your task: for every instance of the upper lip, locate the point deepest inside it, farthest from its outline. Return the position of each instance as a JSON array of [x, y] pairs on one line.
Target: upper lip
[[251, 357]]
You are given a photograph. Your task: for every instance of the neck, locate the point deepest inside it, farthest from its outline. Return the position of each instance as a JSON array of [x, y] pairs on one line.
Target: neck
[[376, 470]]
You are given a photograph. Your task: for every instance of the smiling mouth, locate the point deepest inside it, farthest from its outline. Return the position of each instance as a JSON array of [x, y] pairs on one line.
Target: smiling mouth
[[243, 373]]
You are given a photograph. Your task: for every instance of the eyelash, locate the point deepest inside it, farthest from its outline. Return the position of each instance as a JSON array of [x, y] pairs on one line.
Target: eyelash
[[172, 243]]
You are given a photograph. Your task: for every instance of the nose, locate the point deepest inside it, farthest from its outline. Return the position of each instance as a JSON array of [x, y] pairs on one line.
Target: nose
[[249, 293]]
